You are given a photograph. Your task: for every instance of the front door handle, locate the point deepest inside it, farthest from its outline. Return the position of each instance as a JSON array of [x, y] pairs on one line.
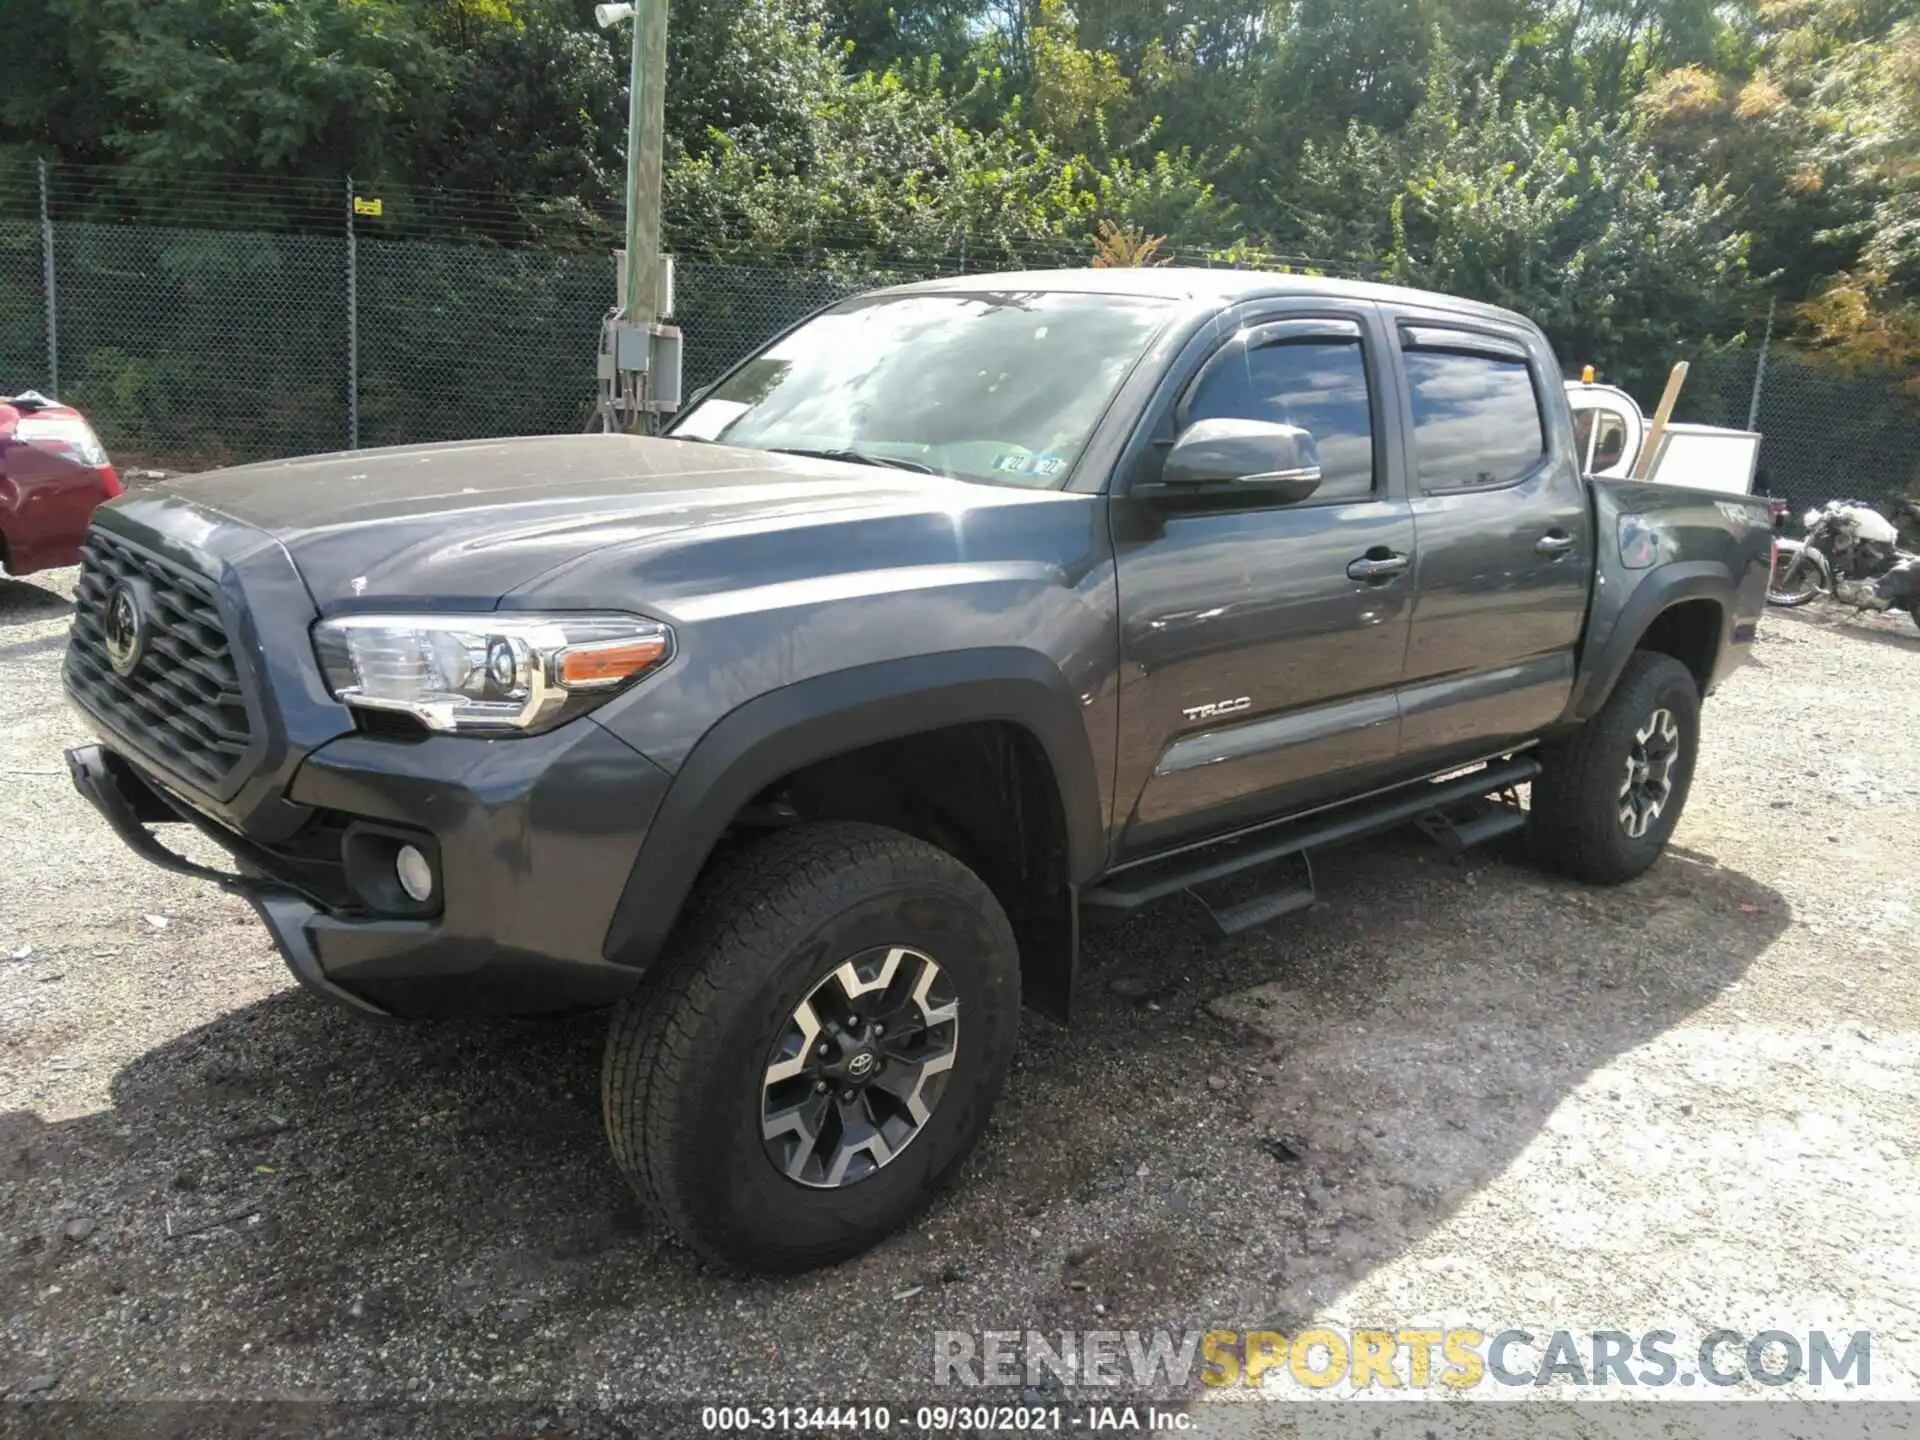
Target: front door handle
[[1378, 564], [1554, 542]]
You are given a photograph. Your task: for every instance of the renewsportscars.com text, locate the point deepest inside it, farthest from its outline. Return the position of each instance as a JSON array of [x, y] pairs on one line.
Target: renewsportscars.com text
[[1461, 1358]]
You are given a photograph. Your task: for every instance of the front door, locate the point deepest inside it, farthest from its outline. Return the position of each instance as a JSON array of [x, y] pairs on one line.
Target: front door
[[1261, 644], [1506, 543]]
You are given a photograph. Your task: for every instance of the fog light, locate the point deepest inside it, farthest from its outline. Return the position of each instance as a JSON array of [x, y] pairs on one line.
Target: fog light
[[414, 873]]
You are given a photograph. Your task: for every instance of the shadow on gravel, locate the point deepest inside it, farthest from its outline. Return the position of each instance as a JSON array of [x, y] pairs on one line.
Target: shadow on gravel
[[1385, 1057], [1235, 1132], [24, 603], [27, 649]]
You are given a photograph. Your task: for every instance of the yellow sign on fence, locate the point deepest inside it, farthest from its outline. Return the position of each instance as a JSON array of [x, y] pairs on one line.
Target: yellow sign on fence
[[363, 206]]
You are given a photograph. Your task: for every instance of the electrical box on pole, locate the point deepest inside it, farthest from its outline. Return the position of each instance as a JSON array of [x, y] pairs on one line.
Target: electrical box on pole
[[639, 363]]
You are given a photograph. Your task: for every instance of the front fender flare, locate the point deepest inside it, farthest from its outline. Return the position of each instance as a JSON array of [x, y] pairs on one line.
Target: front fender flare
[[813, 720], [1613, 633]]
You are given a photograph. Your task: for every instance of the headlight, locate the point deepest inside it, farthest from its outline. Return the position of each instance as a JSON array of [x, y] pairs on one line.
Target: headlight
[[1810, 519], [486, 674]]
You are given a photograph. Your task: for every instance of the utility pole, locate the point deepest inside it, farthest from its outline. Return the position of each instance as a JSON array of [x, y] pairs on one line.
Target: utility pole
[[47, 285], [1760, 366], [353, 325], [639, 354]]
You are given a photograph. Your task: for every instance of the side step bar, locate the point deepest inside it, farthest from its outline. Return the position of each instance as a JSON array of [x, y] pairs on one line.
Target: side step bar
[[1278, 898], [1489, 824], [1155, 880]]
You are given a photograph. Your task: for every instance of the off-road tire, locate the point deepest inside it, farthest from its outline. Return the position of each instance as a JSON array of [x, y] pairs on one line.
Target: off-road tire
[[686, 1056], [1574, 814]]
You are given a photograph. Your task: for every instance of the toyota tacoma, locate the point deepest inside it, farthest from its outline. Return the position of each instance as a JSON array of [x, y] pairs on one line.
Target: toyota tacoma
[[805, 735]]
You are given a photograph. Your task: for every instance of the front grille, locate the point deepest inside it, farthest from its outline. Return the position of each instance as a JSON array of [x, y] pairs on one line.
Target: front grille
[[183, 702]]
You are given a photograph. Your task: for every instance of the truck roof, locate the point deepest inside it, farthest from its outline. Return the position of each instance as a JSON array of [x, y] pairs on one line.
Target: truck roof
[[1193, 283]]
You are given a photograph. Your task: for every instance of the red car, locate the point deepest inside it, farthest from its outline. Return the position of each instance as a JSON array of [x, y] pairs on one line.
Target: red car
[[53, 473]]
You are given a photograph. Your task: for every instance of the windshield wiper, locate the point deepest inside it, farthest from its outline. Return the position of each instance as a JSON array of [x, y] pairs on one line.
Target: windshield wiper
[[857, 457]]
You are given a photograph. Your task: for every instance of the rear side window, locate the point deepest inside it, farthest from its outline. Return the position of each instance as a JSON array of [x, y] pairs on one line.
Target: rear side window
[[1319, 385], [1608, 446], [1476, 419]]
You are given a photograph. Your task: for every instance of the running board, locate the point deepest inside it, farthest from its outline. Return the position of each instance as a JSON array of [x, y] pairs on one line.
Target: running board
[[1156, 879], [1276, 899], [1492, 822]]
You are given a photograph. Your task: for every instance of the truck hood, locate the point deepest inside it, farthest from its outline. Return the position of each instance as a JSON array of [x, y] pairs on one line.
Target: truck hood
[[542, 520]]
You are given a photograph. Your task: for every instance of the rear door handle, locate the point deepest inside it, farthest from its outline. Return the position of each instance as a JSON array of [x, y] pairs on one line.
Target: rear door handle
[[1383, 566], [1554, 542]]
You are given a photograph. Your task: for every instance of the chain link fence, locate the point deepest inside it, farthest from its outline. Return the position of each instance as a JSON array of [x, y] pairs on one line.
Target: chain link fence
[[23, 314], [214, 320], [193, 348], [1826, 433], [463, 342]]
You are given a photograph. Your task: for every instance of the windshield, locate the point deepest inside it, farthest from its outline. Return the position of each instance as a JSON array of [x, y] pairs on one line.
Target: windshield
[[997, 386]]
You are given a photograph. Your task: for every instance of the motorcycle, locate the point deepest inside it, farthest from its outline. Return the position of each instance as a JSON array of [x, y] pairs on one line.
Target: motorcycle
[[1851, 553]]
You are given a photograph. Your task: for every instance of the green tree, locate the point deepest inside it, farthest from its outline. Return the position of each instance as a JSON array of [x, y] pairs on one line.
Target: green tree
[[532, 107], [1560, 217], [301, 87]]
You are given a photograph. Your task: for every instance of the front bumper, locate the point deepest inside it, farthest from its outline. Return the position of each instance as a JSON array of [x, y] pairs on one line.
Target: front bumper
[[535, 840]]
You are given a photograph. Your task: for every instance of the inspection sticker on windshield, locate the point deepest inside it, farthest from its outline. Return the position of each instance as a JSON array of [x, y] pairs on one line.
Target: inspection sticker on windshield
[[1021, 463]]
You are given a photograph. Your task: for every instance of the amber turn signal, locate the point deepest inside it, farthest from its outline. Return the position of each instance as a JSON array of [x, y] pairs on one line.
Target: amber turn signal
[[591, 667]]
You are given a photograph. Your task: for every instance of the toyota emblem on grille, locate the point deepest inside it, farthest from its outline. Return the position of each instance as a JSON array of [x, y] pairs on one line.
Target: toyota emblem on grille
[[124, 627]]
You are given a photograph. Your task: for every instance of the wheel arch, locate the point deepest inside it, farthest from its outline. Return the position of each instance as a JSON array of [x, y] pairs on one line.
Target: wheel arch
[[798, 727], [1682, 609]]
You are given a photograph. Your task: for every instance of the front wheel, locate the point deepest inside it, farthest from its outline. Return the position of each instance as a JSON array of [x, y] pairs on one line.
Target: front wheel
[[1608, 796], [819, 1049], [1801, 574]]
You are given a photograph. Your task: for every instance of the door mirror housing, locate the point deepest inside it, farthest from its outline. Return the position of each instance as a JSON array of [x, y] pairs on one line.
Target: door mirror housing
[[1268, 463]]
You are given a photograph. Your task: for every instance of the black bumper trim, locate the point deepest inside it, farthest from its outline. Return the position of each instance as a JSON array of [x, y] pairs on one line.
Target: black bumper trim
[[534, 840], [104, 780], [127, 801], [285, 915]]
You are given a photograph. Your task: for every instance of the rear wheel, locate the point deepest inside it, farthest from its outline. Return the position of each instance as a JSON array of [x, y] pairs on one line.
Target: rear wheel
[[1609, 796], [1801, 575], [819, 1049]]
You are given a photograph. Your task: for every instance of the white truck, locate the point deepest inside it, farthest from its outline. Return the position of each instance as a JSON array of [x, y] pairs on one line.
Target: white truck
[[1614, 437]]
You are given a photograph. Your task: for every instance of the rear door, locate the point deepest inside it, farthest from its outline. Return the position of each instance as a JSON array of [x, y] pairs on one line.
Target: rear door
[[1258, 673], [1505, 542]]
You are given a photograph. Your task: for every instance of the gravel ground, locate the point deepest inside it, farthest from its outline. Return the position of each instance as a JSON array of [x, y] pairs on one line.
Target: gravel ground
[[1456, 1091]]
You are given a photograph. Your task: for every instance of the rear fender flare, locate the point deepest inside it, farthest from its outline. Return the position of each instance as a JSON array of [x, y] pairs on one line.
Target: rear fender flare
[[813, 720], [1613, 640]]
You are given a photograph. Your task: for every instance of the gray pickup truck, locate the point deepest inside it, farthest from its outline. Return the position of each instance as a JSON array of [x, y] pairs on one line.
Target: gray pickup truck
[[806, 735]]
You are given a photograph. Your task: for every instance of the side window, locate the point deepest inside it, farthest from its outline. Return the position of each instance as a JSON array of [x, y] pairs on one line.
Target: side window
[[1608, 447], [1318, 384], [1476, 419]]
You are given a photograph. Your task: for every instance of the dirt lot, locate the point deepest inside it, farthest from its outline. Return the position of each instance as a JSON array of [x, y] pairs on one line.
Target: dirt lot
[[1455, 1091]]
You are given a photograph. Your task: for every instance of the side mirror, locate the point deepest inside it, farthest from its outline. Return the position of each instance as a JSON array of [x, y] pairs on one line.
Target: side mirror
[[1273, 464]]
